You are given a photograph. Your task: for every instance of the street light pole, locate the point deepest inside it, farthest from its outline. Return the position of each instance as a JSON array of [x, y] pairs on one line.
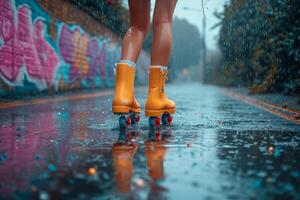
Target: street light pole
[[204, 54]]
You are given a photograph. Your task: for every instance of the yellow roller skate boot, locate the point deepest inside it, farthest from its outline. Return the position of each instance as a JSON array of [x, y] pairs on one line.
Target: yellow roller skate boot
[[158, 107], [124, 102]]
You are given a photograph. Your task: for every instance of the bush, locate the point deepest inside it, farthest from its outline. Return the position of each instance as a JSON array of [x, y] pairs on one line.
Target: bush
[[110, 13], [259, 41]]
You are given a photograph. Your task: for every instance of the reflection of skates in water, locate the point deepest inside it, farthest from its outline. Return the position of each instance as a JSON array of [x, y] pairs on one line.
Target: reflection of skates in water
[[158, 107], [123, 153], [124, 103], [155, 152]]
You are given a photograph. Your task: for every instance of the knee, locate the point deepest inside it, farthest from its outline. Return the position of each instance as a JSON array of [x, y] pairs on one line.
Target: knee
[[162, 28], [160, 23], [161, 18]]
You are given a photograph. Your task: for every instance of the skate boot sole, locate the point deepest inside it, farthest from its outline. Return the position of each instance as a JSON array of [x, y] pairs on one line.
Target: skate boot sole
[[125, 109], [156, 113]]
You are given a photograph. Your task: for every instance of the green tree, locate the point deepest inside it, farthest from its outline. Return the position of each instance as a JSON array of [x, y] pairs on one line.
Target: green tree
[[259, 41], [111, 13]]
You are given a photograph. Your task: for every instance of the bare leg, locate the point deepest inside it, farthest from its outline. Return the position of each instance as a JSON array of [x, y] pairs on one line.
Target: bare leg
[[157, 103], [162, 32], [139, 26]]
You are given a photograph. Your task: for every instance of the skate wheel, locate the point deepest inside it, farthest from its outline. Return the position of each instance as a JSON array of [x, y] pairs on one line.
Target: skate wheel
[[128, 121], [135, 118], [170, 119], [166, 119], [154, 122], [124, 122]]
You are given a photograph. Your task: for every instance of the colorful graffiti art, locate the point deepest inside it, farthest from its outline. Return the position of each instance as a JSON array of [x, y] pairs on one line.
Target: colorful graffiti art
[[89, 59], [24, 50], [30, 57]]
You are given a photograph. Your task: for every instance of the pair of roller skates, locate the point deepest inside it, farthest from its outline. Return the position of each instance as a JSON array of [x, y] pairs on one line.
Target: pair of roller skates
[[158, 107]]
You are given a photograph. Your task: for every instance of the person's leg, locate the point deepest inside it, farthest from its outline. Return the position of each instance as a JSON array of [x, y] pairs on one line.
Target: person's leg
[[139, 26], [162, 32], [157, 103], [124, 102]]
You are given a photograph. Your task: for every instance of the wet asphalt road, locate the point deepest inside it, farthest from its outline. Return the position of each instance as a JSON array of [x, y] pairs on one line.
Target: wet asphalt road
[[217, 148]]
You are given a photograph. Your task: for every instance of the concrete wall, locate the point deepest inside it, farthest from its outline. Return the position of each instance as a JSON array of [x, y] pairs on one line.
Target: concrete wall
[[50, 45]]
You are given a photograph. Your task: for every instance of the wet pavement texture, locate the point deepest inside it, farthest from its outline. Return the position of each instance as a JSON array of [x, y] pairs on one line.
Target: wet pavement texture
[[217, 148]]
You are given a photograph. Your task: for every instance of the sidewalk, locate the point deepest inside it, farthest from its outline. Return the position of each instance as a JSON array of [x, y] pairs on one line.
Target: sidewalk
[[279, 99], [286, 107]]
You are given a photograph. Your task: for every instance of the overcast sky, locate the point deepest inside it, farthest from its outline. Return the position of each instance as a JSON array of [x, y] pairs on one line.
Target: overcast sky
[[194, 15]]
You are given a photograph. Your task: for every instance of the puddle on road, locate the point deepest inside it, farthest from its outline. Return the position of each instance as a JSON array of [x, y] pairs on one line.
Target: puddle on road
[[223, 149], [159, 164]]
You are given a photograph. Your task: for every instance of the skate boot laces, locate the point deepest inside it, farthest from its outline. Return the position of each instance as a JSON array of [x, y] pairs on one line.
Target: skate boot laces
[[164, 76]]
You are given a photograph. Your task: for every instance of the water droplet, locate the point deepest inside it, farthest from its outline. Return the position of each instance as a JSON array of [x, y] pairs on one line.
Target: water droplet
[[271, 149], [195, 184], [261, 174], [43, 195], [92, 171], [256, 184], [139, 182], [3, 156], [37, 157], [33, 188], [277, 153], [51, 168]]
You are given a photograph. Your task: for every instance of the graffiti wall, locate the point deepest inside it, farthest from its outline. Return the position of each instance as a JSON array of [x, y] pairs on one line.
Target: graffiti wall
[[35, 59]]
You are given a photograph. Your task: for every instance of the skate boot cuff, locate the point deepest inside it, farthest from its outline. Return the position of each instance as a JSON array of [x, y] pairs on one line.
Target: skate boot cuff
[[128, 62], [162, 68]]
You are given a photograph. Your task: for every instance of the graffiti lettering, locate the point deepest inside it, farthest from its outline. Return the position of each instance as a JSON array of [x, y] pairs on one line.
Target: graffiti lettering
[[28, 53]]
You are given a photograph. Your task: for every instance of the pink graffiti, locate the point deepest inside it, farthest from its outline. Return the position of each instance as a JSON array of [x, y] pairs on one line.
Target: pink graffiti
[[26, 49], [22, 151], [46, 53], [73, 46], [24, 44], [103, 60], [9, 54], [94, 54], [86, 56]]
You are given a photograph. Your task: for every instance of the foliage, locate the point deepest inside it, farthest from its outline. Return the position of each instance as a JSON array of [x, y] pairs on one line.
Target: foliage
[[111, 13], [260, 44]]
